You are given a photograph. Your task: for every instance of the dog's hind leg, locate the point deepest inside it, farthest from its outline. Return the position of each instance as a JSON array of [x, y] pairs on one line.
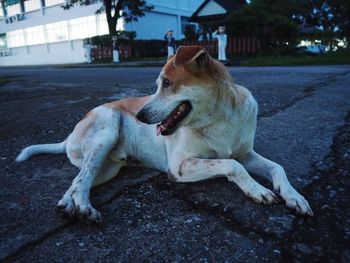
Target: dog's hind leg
[[256, 164], [75, 201], [110, 170], [193, 170]]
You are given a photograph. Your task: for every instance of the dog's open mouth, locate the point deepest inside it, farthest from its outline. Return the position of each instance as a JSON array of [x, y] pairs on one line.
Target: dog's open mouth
[[169, 124]]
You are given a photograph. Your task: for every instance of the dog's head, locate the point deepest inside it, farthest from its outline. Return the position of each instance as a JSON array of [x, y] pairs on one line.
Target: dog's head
[[188, 90]]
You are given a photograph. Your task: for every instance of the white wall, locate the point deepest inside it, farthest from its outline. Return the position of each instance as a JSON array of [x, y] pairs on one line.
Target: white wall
[[154, 26], [165, 14], [49, 15], [54, 53]]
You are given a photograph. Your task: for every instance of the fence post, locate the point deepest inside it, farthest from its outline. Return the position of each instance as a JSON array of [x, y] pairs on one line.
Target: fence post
[[253, 45], [248, 45], [244, 45]]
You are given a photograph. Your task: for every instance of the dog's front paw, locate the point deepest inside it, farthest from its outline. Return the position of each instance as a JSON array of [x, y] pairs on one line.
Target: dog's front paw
[[262, 195], [296, 201], [82, 211]]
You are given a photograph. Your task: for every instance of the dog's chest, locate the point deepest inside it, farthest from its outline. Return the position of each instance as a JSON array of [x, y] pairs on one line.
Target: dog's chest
[[220, 143], [220, 140]]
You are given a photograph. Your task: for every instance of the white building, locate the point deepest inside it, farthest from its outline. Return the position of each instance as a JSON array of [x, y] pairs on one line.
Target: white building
[[36, 32]]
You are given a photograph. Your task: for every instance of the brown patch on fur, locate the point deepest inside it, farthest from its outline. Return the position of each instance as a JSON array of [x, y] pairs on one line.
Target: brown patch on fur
[[129, 105], [75, 155], [186, 54], [85, 124], [193, 65], [181, 77], [181, 167], [90, 113]]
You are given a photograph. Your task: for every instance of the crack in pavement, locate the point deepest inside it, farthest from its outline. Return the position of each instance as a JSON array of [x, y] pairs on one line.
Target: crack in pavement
[[218, 212], [339, 153], [125, 185], [319, 239], [307, 92], [33, 243]]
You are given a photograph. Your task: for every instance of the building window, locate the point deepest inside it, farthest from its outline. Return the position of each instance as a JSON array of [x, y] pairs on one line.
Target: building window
[[1, 10], [15, 38], [30, 5], [13, 10], [102, 25], [35, 35], [57, 31], [83, 27], [53, 2], [3, 42]]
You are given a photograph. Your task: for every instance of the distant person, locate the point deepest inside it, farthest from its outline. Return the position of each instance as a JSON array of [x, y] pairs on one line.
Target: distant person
[[171, 42], [222, 42], [87, 53], [115, 46]]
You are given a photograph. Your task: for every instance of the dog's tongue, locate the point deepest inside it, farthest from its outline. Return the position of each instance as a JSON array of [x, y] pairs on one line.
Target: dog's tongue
[[158, 129], [163, 125]]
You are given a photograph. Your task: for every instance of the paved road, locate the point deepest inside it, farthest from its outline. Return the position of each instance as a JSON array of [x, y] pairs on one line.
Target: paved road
[[304, 124]]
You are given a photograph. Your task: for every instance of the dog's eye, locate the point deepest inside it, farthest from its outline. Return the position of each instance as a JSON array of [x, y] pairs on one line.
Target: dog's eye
[[166, 83]]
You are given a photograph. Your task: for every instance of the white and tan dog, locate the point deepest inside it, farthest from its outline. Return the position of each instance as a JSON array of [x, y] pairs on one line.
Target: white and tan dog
[[207, 125]]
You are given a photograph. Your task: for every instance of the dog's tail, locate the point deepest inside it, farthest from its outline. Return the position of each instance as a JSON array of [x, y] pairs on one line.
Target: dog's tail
[[28, 152]]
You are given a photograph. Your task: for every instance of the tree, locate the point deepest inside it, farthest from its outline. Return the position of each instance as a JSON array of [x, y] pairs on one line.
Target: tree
[[269, 20], [191, 33], [130, 10], [331, 17]]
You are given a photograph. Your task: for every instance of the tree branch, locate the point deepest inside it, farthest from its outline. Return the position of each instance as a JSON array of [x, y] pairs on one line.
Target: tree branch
[[108, 5], [117, 8]]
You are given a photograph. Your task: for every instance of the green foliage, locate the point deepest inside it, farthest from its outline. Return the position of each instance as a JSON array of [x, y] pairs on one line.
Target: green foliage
[[332, 15], [106, 40], [130, 10], [190, 33], [268, 20], [341, 56], [276, 22], [139, 48]]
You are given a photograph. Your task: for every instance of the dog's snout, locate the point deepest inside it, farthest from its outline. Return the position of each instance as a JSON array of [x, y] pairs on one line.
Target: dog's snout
[[142, 117]]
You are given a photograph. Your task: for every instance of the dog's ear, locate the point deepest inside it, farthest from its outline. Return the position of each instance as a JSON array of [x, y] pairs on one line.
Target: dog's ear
[[193, 57], [169, 57]]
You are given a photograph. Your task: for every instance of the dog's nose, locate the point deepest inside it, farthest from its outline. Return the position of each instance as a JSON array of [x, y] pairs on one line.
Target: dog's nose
[[141, 116]]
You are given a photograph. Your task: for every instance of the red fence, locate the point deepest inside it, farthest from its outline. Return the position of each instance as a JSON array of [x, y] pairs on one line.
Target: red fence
[[106, 53], [236, 46], [244, 45]]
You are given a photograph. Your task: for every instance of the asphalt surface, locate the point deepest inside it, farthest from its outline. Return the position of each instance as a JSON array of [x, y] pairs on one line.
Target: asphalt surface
[[304, 124]]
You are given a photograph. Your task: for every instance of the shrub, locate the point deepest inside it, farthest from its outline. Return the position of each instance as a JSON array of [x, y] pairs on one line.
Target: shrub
[[139, 48]]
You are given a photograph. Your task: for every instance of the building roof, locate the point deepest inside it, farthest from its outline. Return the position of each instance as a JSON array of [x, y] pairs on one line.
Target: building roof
[[217, 7]]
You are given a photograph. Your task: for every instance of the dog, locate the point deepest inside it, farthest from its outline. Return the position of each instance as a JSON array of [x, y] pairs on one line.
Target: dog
[[197, 125]]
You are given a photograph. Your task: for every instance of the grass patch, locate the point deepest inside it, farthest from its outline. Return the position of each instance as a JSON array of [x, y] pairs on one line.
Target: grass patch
[[4, 80], [7, 79], [333, 58], [137, 59], [145, 59]]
